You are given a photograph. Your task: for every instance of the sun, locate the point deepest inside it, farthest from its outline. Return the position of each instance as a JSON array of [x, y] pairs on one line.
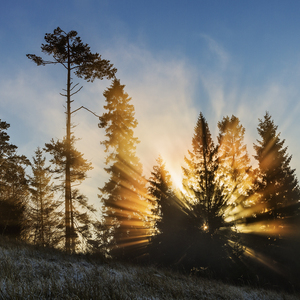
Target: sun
[[176, 175]]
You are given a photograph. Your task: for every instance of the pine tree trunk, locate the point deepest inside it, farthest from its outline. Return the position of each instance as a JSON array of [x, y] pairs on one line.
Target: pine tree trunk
[[68, 143]]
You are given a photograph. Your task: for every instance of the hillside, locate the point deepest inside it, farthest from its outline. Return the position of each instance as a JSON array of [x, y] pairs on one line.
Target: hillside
[[30, 273]]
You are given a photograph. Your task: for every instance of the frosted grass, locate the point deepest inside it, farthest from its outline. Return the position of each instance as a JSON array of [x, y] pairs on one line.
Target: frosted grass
[[28, 273]]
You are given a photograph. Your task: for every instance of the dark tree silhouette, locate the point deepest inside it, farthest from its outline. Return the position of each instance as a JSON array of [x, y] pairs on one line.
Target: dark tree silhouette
[[277, 184], [218, 228], [43, 217], [13, 185], [160, 189], [123, 196], [161, 197], [68, 50], [269, 219]]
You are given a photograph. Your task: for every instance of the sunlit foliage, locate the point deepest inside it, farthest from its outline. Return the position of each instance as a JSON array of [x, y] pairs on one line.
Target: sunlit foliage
[[234, 161], [277, 185], [224, 222], [234, 168], [124, 195], [204, 188]]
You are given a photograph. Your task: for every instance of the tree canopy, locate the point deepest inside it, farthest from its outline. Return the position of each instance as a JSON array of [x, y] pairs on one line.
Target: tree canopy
[[68, 50]]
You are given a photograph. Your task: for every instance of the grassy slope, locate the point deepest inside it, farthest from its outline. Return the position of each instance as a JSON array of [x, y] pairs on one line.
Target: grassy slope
[[29, 273]]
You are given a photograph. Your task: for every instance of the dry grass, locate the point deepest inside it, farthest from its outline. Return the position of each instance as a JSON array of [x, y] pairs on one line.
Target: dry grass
[[29, 273]]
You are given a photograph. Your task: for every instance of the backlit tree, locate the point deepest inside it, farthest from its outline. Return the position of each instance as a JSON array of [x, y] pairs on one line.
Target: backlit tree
[[13, 185], [204, 189], [160, 188], [277, 185], [70, 52], [123, 195], [234, 168], [43, 214], [168, 214], [81, 213]]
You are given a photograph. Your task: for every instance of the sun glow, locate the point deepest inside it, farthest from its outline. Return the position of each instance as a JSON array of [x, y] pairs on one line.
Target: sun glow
[[222, 209], [176, 180], [205, 227]]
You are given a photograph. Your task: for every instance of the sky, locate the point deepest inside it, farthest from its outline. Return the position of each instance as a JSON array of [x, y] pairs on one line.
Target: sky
[[175, 58]]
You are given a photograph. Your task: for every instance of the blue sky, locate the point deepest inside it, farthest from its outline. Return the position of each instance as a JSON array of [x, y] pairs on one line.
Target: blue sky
[[176, 58]]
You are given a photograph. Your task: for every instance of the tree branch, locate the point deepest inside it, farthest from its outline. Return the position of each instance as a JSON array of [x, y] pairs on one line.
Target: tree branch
[[87, 110]]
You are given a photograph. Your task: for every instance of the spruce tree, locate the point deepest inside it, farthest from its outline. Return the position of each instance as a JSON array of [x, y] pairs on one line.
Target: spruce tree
[[277, 185], [204, 189], [13, 185], [123, 196], [234, 169], [209, 198], [43, 214], [168, 214], [160, 189]]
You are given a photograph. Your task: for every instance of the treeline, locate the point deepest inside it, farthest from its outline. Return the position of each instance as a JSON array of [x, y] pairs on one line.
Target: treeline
[[230, 220]]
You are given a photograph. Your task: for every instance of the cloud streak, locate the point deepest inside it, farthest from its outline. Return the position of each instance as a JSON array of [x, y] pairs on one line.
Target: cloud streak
[[163, 88]]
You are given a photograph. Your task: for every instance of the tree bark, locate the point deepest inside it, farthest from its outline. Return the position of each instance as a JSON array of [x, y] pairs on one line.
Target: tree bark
[[68, 160]]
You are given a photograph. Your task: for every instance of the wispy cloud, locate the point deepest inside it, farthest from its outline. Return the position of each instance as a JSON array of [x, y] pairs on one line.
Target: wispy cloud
[[32, 107], [227, 94], [163, 89], [219, 53]]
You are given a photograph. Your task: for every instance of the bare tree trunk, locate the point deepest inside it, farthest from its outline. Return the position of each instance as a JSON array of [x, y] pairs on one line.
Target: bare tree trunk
[[68, 146]]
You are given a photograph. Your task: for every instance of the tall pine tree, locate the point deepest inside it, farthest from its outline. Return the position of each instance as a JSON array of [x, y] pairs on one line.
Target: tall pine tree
[[71, 53], [123, 196]]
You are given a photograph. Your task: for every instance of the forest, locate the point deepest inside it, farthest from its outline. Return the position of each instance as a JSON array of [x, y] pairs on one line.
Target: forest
[[230, 220]]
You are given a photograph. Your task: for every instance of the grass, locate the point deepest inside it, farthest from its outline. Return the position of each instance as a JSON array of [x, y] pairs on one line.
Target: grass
[[30, 273]]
